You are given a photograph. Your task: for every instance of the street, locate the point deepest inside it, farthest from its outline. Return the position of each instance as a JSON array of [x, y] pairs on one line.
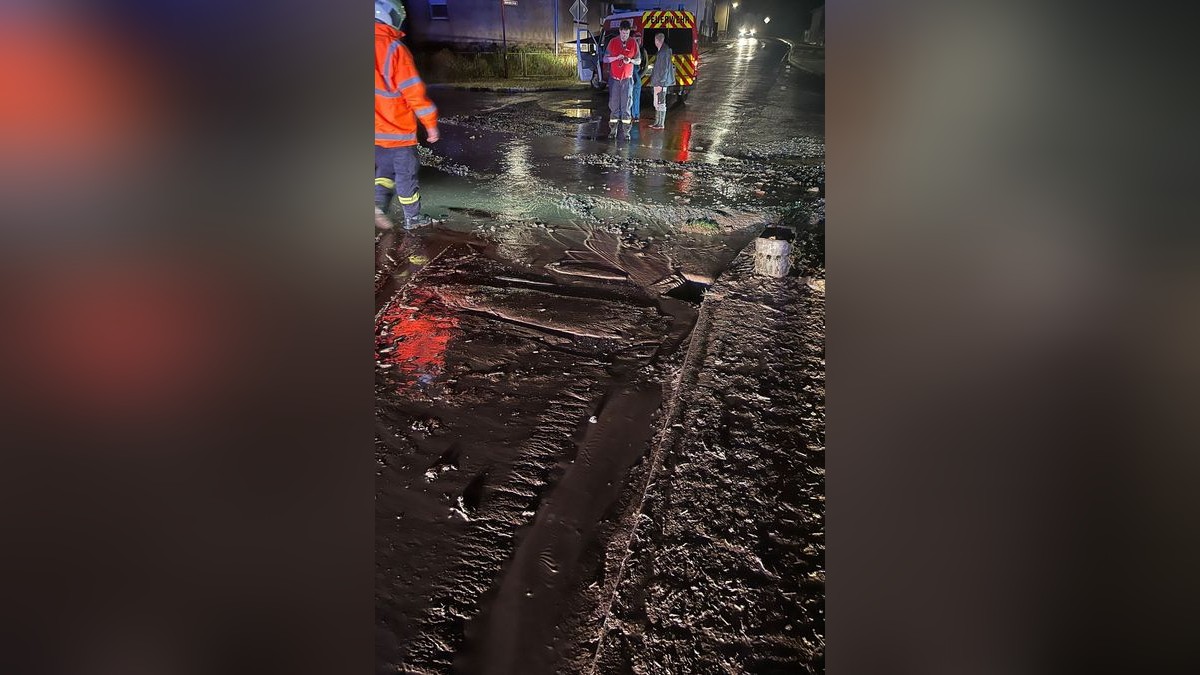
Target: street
[[599, 437]]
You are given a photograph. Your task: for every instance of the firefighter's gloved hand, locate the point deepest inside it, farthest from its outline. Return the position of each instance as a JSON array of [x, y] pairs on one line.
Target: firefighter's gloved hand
[[432, 134]]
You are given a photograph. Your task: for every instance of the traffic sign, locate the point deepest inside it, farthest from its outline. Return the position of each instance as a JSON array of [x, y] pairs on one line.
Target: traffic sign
[[579, 11]]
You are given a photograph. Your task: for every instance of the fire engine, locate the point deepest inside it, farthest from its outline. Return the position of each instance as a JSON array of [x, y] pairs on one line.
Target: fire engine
[[682, 37]]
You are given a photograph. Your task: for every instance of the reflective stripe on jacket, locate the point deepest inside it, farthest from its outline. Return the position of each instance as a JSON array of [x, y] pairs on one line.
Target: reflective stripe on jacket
[[400, 97]]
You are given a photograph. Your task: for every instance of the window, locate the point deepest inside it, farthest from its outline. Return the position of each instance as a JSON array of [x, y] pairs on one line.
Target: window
[[680, 40], [438, 10]]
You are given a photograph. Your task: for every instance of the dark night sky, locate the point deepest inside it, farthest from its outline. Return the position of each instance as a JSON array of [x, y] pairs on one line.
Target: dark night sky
[[789, 18]]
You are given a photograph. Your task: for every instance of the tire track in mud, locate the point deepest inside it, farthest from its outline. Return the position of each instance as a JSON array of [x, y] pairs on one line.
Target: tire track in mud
[[494, 480], [460, 549], [537, 583]]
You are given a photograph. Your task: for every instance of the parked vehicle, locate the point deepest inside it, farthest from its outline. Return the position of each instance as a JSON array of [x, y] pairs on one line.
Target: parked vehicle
[[682, 37]]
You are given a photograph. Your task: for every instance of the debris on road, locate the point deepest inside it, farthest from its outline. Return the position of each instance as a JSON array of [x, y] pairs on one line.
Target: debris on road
[[600, 436]]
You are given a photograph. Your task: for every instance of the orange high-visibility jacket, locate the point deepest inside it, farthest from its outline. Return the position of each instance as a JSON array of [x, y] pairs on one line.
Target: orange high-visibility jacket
[[399, 92]]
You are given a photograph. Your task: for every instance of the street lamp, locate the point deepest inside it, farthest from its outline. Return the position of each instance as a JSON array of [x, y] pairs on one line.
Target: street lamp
[[767, 20]]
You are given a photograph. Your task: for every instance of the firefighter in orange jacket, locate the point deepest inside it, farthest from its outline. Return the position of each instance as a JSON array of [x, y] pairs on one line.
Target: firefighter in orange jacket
[[400, 100]]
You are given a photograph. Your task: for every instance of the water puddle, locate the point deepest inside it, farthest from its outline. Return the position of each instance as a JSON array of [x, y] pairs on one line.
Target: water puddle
[[411, 342]]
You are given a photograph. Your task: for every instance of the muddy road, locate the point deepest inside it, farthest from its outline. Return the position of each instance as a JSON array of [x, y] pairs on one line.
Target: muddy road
[[541, 355]]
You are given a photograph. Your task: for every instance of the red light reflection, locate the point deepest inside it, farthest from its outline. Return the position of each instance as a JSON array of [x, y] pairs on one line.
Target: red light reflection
[[413, 341], [685, 143]]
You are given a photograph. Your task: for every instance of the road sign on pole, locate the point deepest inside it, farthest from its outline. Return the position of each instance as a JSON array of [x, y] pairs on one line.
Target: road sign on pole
[[579, 11]]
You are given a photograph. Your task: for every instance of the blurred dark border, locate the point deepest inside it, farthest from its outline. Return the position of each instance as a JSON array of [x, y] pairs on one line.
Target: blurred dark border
[[185, 368], [1011, 314], [1012, 317]]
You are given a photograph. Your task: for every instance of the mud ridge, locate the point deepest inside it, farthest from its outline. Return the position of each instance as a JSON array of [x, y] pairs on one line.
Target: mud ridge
[[684, 379]]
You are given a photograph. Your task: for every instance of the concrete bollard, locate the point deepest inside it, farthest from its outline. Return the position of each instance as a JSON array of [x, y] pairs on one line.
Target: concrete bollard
[[772, 257]]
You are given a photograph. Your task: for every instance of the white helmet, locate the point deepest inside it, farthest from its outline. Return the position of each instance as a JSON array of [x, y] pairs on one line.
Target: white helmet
[[390, 12]]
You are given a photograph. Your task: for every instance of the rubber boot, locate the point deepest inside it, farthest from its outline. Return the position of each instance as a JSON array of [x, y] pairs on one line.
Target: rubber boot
[[382, 222], [419, 220]]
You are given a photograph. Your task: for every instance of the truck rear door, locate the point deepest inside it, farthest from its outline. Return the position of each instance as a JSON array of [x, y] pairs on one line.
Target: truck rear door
[[585, 50]]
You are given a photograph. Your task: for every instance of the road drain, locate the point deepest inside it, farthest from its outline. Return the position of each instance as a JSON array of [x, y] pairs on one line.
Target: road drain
[[689, 291]]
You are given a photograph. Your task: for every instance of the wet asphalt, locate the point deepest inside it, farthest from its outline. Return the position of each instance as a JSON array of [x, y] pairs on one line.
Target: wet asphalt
[[748, 105], [525, 346]]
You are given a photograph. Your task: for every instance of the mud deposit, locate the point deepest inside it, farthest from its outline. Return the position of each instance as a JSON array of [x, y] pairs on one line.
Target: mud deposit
[[546, 479], [726, 572], [721, 180], [512, 408], [599, 446], [522, 117]]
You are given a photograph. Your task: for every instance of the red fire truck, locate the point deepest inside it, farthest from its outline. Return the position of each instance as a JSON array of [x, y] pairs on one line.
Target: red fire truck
[[682, 38]]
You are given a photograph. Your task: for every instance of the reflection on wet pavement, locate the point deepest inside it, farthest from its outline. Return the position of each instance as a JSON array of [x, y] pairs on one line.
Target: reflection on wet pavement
[[526, 344], [412, 340]]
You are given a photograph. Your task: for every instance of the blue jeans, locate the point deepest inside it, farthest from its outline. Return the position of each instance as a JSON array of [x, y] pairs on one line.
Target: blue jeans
[[396, 174], [635, 93]]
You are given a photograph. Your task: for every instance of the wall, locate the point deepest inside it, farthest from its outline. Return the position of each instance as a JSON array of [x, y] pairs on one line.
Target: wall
[[531, 22], [816, 31], [724, 10]]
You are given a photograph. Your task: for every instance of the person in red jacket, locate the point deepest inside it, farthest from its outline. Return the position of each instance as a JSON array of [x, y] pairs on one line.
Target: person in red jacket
[[623, 53], [400, 101]]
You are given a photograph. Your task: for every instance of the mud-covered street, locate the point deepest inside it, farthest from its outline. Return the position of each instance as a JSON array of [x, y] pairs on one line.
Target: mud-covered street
[[600, 437]]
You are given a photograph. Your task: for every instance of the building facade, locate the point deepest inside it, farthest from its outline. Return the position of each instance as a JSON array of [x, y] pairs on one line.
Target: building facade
[[542, 23], [816, 31], [468, 23]]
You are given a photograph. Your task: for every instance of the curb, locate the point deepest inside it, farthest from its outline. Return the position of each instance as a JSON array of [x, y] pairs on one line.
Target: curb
[[796, 64], [503, 90]]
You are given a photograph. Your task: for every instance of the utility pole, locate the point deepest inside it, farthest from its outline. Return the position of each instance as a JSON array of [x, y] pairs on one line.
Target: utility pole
[[504, 34], [557, 8]]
